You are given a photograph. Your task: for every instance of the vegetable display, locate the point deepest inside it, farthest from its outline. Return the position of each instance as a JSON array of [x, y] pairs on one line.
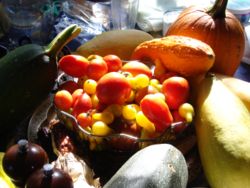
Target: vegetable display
[[130, 100], [169, 104]]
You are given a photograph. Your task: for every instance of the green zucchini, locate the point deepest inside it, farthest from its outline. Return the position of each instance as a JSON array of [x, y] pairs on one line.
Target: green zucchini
[[27, 76]]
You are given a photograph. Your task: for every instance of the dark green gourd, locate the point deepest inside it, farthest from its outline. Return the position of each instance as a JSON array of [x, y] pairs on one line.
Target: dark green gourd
[[27, 76]]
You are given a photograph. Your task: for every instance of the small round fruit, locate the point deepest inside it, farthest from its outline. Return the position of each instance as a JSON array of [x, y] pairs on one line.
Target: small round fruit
[[176, 91], [186, 110], [129, 111], [113, 88], [83, 103], [63, 100], [136, 67], [96, 69], [105, 116], [140, 81], [84, 119], [89, 86], [114, 63], [101, 129], [76, 94], [73, 65]]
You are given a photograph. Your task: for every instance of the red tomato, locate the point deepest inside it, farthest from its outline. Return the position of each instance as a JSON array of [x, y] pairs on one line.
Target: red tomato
[[76, 94], [97, 68], [136, 67], [113, 88], [114, 63], [69, 85], [176, 91], [157, 111], [82, 104], [73, 65]]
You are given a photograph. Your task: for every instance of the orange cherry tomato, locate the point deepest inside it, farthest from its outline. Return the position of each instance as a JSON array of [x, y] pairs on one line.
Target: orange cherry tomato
[[63, 100], [84, 119]]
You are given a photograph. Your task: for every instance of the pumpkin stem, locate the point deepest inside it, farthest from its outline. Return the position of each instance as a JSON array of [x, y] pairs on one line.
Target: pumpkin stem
[[218, 10]]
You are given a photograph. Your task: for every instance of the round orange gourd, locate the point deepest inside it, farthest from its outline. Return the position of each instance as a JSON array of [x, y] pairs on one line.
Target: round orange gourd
[[217, 27]]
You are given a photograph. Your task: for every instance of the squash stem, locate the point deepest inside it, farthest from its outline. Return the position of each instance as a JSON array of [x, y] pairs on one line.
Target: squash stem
[[218, 10], [62, 38]]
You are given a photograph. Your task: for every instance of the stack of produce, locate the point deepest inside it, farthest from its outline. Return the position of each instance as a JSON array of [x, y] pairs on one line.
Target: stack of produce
[[107, 96], [140, 86]]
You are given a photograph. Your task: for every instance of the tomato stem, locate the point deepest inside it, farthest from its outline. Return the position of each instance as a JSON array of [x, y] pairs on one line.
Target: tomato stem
[[218, 10]]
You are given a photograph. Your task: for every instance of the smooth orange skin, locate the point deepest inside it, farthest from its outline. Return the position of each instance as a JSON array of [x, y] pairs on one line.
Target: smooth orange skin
[[84, 119], [76, 94], [63, 100], [114, 63], [113, 88], [73, 65], [176, 91]]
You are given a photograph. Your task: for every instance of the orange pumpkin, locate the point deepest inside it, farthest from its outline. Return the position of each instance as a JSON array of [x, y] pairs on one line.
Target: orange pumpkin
[[217, 27]]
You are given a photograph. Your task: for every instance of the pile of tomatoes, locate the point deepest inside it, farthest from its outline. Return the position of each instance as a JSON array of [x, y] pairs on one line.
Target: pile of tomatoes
[[110, 96]]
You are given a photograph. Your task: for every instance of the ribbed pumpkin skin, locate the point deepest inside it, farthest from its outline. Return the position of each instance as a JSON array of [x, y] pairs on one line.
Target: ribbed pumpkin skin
[[224, 35]]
